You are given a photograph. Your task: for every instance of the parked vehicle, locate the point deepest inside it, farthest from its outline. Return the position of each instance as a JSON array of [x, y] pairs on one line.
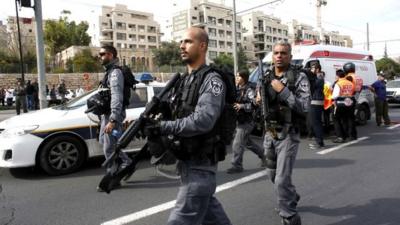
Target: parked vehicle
[[393, 91], [60, 139]]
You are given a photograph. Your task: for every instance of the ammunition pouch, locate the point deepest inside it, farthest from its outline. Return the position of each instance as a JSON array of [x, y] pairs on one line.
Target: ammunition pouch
[[198, 149]]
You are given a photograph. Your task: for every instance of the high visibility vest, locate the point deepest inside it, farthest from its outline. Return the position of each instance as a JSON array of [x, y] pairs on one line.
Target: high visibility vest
[[328, 101], [346, 87], [357, 81]]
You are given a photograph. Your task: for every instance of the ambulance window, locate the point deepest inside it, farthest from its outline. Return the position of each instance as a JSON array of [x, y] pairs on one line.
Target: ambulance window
[[138, 98], [297, 62]]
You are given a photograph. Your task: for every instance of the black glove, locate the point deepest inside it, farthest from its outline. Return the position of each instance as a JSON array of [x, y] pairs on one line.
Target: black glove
[[151, 128], [155, 146]]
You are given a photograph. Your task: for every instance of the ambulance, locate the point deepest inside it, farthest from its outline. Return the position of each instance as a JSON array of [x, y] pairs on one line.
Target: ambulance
[[332, 58]]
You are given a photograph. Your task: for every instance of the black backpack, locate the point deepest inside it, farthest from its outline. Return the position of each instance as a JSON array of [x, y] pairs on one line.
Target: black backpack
[[226, 124], [129, 82]]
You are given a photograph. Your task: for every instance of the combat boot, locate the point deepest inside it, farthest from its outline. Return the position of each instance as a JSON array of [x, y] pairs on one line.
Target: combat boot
[[293, 220]]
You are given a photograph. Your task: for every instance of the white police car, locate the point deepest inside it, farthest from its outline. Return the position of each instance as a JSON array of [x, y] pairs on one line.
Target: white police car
[[61, 138]]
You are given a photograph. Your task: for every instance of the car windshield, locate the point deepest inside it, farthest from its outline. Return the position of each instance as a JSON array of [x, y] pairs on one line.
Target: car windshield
[[393, 84], [76, 102]]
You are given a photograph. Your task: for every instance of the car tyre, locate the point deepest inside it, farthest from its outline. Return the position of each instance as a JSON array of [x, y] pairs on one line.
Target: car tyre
[[362, 115], [62, 155]]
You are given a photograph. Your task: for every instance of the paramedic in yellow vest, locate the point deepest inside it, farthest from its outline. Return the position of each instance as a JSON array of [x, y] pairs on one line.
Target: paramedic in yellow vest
[[343, 96]]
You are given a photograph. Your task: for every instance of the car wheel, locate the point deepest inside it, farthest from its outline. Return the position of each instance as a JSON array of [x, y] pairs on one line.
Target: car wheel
[[62, 155], [362, 115]]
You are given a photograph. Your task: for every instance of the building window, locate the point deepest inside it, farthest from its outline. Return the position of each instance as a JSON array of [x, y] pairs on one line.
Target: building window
[[108, 15], [228, 23], [152, 39], [120, 14], [151, 29], [132, 46], [142, 46], [229, 34], [220, 22], [195, 8], [212, 55], [239, 35], [194, 17], [212, 20], [268, 29], [132, 37], [141, 28], [221, 44], [121, 26], [142, 38], [229, 45], [119, 45], [221, 33], [121, 36], [132, 27], [212, 32], [213, 43]]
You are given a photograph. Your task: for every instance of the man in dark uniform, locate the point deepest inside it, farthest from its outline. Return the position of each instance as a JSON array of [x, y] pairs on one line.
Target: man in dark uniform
[[194, 126], [288, 94], [112, 120], [317, 106], [244, 106], [20, 97], [381, 104]]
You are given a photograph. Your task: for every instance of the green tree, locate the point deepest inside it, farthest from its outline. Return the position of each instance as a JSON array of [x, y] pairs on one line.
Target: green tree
[[85, 62], [242, 60], [61, 34], [168, 54], [390, 67], [224, 60]]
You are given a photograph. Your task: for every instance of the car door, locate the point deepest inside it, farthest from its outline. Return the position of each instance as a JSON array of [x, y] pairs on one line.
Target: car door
[[138, 100]]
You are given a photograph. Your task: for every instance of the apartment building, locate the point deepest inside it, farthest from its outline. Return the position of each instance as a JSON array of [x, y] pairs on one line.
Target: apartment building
[[133, 33], [301, 33], [3, 35], [261, 32], [216, 19], [28, 31]]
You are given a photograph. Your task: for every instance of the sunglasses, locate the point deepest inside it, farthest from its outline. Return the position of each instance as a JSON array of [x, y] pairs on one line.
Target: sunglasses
[[102, 53]]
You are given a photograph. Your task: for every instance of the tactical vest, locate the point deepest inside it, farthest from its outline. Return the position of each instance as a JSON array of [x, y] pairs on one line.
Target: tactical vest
[[185, 97], [280, 113]]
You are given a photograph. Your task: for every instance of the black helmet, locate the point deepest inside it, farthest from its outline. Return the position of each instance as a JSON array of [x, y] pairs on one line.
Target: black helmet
[[99, 103], [349, 67]]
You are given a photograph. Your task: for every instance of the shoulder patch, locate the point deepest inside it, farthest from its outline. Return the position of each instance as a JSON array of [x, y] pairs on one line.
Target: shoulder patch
[[216, 86]]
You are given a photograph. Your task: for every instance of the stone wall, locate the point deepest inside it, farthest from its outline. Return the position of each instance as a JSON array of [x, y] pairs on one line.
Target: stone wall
[[72, 80]]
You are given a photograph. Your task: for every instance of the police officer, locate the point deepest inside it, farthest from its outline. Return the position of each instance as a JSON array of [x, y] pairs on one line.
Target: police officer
[[244, 107], [350, 69], [288, 94], [344, 101], [112, 120], [194, 126]]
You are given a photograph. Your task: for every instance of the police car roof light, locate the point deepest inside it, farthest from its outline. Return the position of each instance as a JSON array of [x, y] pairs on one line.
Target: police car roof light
[[145, 77]]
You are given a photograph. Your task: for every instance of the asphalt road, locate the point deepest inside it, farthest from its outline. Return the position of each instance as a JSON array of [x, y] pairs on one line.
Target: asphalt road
[[357, 184]]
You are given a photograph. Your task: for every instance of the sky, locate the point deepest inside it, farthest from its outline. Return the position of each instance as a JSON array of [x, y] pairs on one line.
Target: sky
[[349, 17]]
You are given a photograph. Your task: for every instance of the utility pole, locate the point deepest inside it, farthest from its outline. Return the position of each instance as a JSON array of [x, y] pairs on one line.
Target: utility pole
[[235, 61], [40, 54], [39, 48], [320, 3], [367, 37], [20, 44]]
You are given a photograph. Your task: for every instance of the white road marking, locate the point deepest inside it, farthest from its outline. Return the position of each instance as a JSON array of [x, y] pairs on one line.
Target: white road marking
[[394, 126], [329, 150], [168, 205]]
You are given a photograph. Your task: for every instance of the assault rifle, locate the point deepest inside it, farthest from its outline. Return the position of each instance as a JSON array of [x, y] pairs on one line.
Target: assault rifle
[[116, 173], [265, 80]]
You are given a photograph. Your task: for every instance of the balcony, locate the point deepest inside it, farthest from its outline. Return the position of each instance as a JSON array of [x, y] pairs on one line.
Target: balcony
[[106, 29], [105, 39]]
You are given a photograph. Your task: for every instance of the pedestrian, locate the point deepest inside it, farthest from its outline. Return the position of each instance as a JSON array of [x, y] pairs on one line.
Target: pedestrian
[[112, 122], [53, 95], [317, 106], [29, 95], [62, 90], [20, 97], [288, 96], [381, 104], [9, 96], [79, 91], [344, 101], [2, 96], [195, 125], [35, 94], [245, 107]]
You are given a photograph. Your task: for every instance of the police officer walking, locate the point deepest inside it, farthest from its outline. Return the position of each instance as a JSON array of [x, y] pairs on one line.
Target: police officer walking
[[244, 106], [288, 94], [195, 125], [112, 122], [344, 101]]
